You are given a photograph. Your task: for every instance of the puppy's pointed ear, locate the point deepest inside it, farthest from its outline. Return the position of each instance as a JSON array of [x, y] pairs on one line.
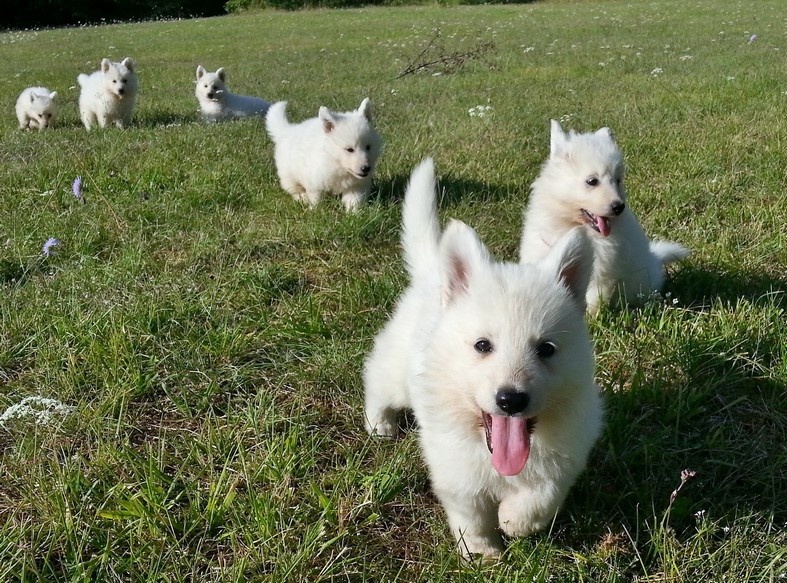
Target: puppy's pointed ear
[[558, 141], [327, 119], [606, 132], [200, 71], [222, 74], [128, 64], [366, 109], [32, 97], [105, 65], [571, 260], [462, 257], [53, 95]]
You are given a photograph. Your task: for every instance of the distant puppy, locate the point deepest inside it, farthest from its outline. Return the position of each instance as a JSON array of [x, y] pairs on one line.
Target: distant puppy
[[109, 94], [218, 104], [334, 152], [581, 183], [496, 363], [37, 107]]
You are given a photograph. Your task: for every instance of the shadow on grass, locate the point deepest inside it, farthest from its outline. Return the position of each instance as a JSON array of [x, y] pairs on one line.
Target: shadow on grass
[[451, 190], [710, 401], [165, 118], [699, 286]]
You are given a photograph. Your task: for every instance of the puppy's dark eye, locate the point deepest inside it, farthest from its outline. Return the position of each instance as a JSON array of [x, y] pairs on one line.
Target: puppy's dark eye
[[368, 147], [483, 346], [545, 349], [350, 150], [592, 181]]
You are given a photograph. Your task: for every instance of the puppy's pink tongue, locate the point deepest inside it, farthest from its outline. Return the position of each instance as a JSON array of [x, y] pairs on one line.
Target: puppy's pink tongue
[[603, 226], [510, 444]]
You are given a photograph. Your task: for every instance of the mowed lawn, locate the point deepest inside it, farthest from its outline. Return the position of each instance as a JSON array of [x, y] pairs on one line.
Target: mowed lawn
[[193, 343]]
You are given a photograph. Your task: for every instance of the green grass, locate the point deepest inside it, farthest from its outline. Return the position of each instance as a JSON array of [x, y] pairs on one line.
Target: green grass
[[209, 333]]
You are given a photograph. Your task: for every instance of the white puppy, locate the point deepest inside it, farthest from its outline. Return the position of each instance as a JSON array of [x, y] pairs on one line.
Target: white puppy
[[109, 94], [581, 183], [37, 107], [333, 152], [217, 103], [497, 365]]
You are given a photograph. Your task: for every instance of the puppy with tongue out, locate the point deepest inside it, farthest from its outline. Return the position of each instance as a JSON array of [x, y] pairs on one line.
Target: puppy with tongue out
[[581, 184], [496, 363]]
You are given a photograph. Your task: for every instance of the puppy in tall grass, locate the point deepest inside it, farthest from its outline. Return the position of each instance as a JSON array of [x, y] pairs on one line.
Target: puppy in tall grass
[[497, 365], [581, 184], [37, 108], [218, 103], [109, 94], [333, 152]]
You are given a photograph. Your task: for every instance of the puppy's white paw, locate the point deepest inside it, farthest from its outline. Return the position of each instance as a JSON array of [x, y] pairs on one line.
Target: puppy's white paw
[[382, 426]]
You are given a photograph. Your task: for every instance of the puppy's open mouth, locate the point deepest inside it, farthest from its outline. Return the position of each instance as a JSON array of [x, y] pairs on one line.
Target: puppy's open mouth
[[508, 440], [597, 222]]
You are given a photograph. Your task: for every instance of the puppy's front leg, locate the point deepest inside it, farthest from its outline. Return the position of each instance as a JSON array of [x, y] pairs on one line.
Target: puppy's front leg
[[353, 200], [529, 510], [473, 523]]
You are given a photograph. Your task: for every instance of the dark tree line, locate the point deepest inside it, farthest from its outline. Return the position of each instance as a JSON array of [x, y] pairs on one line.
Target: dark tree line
[[47, 13]]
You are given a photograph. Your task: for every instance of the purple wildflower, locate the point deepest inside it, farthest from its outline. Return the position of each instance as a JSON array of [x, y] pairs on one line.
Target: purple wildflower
[[47, 249], [752, 38], [76, 188]]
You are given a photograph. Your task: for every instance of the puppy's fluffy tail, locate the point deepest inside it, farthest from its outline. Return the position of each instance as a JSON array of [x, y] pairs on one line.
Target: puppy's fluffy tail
[[420, 227], [668, 252], [82, 79], [276, 120]]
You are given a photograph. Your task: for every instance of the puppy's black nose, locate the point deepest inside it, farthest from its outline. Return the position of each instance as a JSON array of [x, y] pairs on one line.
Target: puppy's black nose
[[618, 207], [121, 91], [511, 401], [365, 170]]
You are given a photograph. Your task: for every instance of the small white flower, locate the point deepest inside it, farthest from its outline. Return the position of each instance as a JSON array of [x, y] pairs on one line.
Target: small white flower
[[657, 71], [529, 50], [730, 78], [41, 409], [479, 110], [686, 58]]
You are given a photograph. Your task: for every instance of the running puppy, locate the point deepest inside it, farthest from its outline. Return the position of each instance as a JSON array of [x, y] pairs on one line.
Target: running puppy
[[109, 94], [581, 184], [497, 365], [333, 152]]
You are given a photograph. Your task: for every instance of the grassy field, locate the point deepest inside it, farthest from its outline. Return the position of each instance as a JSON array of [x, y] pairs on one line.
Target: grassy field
[[202, 335]]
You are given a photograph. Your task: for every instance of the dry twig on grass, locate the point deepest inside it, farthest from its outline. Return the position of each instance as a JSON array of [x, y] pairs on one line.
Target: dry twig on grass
[[436, 56]]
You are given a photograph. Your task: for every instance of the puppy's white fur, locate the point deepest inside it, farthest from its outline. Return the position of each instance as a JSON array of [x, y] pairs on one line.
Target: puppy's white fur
[[37, 108], [217, 103], [469, 337], [333, 152], [581, 183], [109, 94]]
